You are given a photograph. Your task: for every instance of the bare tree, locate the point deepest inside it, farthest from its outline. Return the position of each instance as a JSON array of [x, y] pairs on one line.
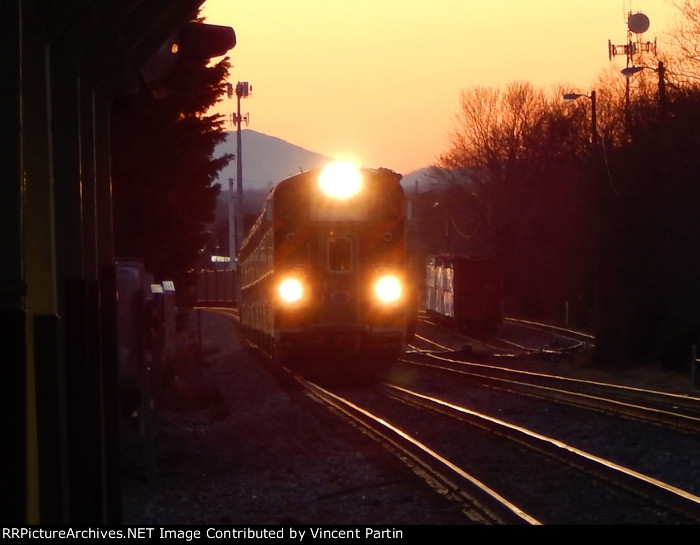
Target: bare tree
[[683, 61], [473, 141], [527, 157], [491, 126]]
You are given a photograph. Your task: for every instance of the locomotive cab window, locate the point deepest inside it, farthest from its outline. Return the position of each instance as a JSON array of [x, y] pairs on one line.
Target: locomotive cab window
[[339, 254]]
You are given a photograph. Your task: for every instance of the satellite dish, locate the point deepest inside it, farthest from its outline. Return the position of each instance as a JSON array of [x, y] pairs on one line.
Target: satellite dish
[[638, 23]]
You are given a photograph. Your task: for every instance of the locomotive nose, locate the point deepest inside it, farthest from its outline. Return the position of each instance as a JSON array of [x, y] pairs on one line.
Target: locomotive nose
[[340, 297]]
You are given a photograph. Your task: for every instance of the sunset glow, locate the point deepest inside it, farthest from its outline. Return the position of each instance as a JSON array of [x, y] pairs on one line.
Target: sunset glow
[[382, 80]]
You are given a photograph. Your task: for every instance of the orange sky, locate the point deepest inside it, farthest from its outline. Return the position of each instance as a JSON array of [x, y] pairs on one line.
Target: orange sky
[[379, 80]]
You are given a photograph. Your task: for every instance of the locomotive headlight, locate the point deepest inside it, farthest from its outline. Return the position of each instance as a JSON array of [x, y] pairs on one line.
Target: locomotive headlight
[[290, 290], [388, 288], [340, 180]]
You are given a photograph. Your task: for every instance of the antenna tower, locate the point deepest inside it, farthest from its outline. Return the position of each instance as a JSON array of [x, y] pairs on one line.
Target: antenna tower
[[637, 25]]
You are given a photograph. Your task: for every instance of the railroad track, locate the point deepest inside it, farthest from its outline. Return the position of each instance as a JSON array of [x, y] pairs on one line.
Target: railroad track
[[516, 338], [480, 504], [425, 425], [455, 449], [676, 411], [573, 338], [646, 487], [680, 411]]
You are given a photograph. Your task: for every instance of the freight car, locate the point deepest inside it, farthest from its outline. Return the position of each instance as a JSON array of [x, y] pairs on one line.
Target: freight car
[[323, 287], [464, 292]]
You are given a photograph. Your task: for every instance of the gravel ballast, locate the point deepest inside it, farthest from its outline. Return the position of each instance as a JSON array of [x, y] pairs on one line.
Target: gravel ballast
[[235, 446]]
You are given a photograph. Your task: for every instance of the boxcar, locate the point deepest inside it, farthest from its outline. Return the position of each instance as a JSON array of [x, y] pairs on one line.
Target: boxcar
[[465, 292]]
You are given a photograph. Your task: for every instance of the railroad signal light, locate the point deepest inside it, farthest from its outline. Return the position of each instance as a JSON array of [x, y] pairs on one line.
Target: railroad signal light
[[200, 41], [193, 42]]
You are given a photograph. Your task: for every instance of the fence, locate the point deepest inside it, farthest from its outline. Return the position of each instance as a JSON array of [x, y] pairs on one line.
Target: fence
[[216, 288]]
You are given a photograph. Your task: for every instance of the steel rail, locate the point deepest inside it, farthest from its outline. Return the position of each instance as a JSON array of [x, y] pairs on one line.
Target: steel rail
[[586, 393], [655, 490], [491, 507]]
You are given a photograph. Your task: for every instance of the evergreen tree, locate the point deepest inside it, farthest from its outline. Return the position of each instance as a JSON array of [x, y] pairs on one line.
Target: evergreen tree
[[162, 170]]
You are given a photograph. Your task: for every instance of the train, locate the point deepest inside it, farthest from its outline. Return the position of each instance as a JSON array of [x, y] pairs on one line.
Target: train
[[465, 292], [322, 272]]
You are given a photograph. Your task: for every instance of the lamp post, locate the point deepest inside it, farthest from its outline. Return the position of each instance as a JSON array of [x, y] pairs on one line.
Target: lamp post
[[596, 205], [594, 116], [661, 71]]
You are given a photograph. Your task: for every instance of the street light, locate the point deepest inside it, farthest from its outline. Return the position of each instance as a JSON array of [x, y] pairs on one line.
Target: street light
[[661, 71], [594, 115], [631, 70], [596, 191]]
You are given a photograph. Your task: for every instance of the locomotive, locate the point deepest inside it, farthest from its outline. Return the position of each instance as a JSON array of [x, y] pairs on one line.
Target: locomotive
[[323, 284], [465, 292]]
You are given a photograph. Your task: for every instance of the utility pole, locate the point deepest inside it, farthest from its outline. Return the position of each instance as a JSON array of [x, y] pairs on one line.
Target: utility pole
[[232, 248], [243, 90]]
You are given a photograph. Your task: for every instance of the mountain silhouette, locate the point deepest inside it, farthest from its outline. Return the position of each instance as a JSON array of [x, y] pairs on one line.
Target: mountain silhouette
[[266, 160]]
